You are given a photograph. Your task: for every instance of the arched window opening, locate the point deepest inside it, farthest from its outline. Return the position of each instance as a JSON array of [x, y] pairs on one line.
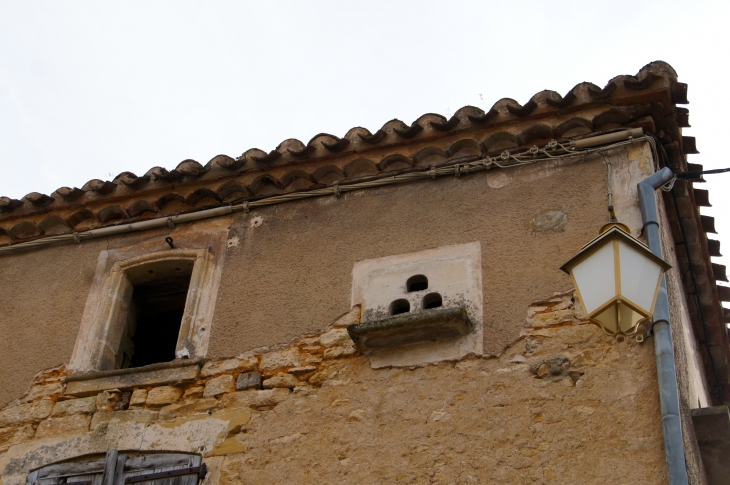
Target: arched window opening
[[400, 306], [432, 300], [417, 283]]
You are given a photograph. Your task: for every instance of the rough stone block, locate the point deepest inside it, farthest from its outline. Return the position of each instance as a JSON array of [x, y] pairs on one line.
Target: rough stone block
[[228, 446], [95, 382], [547, 319], [269, 397], [142, 416], [255, 399], [237, 400], [319, 378], [297, 371], [309, 359], [106, 400], [350, 318], [161, 396], [85, 405], [339, 352], [194, 393], [123, 402], [45, 390], [335, 337], [177, 410], [281, 381], [281, 359], [219, 385], [229, 366], [139, 397], [26, 413], [14, 435], [75, 423], [248, 380], [232, 471]]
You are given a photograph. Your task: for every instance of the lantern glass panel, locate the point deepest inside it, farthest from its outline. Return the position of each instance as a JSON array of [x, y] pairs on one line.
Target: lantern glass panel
[[596, 278], [629, 318], [608, 318], [639, 277]]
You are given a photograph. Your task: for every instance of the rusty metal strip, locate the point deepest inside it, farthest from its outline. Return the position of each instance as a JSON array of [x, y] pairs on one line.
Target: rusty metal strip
[[194, 470]]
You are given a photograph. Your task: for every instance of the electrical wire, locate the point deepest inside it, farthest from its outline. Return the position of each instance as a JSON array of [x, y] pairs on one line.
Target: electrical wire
[[609, 184], [697, 174]]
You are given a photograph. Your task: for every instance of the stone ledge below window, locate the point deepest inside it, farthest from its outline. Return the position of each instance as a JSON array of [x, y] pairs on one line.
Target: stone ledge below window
[[177, 371], [712, 429], [411, 328]]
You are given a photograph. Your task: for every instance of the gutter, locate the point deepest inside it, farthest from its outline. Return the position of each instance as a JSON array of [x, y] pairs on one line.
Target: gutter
[[663, 347]]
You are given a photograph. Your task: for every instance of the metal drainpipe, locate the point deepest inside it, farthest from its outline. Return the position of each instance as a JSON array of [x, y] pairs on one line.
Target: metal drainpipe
[[664, 349]]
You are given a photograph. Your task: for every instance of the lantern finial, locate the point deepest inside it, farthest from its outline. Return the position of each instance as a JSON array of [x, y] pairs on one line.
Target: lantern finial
[[613, 222]]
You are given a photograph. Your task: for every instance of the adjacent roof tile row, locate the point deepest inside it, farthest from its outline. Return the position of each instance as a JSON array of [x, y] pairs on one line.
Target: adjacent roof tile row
[[648, 95]]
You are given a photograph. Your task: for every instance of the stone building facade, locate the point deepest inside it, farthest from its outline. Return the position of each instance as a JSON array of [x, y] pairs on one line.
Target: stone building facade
[[201, 324]]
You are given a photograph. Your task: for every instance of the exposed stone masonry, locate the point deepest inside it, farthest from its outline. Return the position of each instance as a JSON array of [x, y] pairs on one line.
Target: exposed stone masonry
[[315, 412], [259, 380]]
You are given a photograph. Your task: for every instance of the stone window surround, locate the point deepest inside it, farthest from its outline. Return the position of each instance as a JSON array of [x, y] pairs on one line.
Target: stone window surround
[[105, 312], [453, 271]]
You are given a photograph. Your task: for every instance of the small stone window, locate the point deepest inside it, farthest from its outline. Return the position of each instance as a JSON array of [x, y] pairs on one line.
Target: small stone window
[[148, 309], [400, 306], [432, 300], [417, 283]]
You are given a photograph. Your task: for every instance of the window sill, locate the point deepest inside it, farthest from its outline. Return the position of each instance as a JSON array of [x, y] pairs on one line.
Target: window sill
[[712, 429], [411, 328], [93, 382]]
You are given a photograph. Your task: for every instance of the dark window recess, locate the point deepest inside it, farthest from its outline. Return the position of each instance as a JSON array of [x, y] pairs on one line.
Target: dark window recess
[[432, 300], [154, 324], [417, 283], [400, 306]]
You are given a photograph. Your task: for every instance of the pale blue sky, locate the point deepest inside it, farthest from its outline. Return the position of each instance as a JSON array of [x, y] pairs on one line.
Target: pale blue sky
[[92, 89]]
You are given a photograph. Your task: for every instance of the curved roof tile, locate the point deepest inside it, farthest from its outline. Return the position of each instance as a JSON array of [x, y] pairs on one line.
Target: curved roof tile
[[626, 101]]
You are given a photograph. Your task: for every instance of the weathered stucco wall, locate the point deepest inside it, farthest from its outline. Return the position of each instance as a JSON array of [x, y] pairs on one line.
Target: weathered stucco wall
[[291, 268], [41, 303], [553, 400]]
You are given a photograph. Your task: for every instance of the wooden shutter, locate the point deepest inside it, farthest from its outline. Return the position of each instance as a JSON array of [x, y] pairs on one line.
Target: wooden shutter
[[161, 469], [121, 469], [80, 473]]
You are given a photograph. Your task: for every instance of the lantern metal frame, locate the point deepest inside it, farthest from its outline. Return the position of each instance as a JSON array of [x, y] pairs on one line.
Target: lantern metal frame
[[612, 233]]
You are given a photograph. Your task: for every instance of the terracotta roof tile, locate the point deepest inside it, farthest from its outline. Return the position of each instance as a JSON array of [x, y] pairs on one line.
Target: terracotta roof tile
[[641, 100]]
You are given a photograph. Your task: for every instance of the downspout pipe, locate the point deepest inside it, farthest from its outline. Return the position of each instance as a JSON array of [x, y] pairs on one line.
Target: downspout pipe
[[663, 347]]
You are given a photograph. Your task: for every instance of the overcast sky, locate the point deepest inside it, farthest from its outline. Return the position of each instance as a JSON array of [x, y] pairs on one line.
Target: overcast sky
[[92, 89]]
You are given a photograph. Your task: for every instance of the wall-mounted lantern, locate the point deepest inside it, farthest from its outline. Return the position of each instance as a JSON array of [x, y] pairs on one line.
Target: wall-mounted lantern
[[617, 279]]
